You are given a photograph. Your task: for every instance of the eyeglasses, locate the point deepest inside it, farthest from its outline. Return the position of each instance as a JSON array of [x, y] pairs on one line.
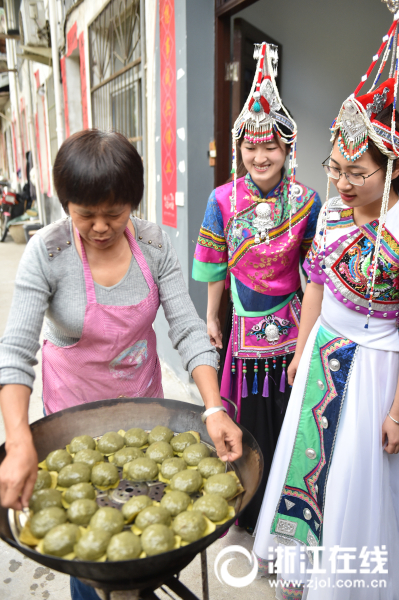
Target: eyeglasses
[[352, 178]]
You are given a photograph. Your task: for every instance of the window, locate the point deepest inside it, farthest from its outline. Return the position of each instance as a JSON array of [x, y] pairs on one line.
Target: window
[[116, 73]]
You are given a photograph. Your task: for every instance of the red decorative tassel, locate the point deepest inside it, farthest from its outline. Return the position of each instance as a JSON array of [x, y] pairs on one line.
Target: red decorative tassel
[[265, 392], [244, 392], [282, 380]]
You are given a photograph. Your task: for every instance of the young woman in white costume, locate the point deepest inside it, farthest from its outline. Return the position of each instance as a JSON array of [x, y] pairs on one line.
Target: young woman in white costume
[[333, 490]]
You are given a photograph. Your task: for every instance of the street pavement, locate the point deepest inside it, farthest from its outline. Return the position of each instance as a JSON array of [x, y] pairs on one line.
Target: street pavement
[[22, 578]]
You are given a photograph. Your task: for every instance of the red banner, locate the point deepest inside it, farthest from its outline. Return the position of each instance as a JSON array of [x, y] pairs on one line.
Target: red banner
[[168, 111], [83, 80], [72, 39]]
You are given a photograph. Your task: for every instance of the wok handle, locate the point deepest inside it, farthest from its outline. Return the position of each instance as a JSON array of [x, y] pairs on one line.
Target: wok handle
[[233, 405]]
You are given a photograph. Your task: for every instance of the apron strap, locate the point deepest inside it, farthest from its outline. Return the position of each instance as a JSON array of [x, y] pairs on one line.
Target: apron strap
[[90, 291], [138, 255]]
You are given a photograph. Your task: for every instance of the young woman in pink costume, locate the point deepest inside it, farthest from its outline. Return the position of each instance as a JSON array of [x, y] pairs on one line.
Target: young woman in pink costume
[[256, 231]]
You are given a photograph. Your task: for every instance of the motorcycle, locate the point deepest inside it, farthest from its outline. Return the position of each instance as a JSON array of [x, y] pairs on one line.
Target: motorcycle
[[12, 205]]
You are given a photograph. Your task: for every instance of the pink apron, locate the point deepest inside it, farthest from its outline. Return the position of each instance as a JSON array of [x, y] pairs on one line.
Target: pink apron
[[116, 355]]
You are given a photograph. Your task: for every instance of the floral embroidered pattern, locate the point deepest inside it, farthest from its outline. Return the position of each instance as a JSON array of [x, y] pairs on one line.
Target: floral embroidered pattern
[[354, 269]]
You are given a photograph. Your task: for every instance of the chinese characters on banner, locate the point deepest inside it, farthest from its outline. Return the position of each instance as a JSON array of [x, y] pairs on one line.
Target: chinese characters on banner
[[168, 111]]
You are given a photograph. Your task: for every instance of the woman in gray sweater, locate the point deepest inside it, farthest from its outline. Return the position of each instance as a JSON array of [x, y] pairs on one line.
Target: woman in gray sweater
[[97, 279]]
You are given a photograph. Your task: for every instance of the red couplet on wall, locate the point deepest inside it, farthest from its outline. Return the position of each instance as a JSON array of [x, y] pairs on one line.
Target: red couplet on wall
[[83, 81], [168, 110], [72, 39]]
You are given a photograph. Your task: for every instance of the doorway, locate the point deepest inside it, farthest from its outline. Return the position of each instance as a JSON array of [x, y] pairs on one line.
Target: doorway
[[234, 73]]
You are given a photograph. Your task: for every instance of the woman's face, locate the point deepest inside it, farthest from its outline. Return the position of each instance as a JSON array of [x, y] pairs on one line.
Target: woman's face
[[264, 162], [102, 225], [373, 187]]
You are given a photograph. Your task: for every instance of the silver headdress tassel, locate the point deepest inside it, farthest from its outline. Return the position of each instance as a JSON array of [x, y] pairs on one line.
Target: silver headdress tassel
[[261, 118]]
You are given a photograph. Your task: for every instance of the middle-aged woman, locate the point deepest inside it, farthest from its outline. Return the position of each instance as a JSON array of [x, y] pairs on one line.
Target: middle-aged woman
[[97, 278]]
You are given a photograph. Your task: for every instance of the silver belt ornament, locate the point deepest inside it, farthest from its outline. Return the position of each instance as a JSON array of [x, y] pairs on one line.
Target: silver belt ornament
[[272, 332]]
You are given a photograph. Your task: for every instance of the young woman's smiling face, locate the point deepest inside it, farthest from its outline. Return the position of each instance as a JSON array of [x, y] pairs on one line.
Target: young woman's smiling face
[[264, 162], [355, 195]]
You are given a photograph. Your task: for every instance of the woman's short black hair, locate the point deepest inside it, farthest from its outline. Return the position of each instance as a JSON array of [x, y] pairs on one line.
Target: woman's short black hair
[[94, 166]]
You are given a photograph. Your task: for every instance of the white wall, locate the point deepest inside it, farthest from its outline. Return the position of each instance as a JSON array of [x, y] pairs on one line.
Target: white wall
[[327, 47]]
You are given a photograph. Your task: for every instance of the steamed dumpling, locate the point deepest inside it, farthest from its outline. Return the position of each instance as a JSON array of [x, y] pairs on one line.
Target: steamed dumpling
[[124, 546], [43, 480], [72, 474], [182, 440], [79, 491], [60, 540], [160, 434], [186, 481], [171, 466], [46, 519], [58, 459], [88, 456], [175, 502], [126, 455], [159, 451], [82, 442], [157, 539], [110, 442], [194, 453], [93, 544], [132, 507], [212, 506], [104, 474], [44, 499], [107, 519], [81, 511], [136, 437], [141, 469], [211, 466], [152, 514], [224, 484], [190, 525]]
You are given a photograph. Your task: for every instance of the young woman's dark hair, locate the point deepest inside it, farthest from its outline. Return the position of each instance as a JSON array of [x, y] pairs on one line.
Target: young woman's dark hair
[[385, 117], [94, 166]]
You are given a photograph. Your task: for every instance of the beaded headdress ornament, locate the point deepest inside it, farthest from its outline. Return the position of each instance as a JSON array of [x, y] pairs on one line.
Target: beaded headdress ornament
[[356, 124], [262, 116]]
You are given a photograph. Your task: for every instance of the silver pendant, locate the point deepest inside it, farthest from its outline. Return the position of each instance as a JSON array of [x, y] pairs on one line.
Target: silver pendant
[[262, 222]]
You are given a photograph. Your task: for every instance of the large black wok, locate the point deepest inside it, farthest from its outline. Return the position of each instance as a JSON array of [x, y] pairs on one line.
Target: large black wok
[[95, 419]]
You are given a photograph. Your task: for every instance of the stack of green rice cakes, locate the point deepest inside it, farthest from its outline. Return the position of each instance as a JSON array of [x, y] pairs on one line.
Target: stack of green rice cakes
[[128, 495]]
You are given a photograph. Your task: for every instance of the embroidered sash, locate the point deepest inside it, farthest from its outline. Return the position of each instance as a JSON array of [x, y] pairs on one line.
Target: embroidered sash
[[299, 514], [268, 336]]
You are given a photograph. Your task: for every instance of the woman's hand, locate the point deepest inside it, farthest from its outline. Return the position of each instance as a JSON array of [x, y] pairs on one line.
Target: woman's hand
[[292, 369], [390, 434], [214, 332], [226, 436], [18, 473]]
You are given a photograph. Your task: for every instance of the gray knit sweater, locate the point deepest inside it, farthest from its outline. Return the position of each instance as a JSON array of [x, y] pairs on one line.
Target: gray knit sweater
[[50, 285]]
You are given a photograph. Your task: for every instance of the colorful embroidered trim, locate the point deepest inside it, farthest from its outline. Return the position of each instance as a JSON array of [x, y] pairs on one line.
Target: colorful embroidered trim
[[211, 240]]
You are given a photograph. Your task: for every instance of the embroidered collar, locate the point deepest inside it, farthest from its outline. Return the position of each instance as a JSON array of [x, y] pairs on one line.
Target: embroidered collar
[[274, 193]]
